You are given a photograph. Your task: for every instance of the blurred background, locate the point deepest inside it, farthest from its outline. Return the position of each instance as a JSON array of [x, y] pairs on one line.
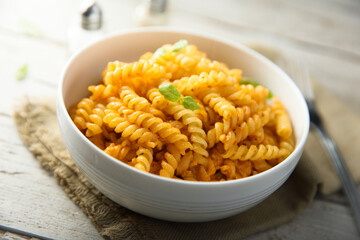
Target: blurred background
[[324, 32]]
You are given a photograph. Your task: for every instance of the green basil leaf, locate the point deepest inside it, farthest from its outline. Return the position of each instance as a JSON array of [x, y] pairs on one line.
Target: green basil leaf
[[160, 52], [179, 45], [249, 81], [170, 92], [22, 72], [270, 95], [189, 103]]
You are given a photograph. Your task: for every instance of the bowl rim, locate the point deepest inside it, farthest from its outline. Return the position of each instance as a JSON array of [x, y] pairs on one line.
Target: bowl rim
[[276, 169]]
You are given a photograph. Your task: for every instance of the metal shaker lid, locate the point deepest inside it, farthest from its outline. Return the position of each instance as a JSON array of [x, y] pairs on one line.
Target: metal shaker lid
[[91, 15], [157, 6]]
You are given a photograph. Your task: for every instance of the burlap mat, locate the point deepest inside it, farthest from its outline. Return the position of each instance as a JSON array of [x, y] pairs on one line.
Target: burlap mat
[[37, 126]]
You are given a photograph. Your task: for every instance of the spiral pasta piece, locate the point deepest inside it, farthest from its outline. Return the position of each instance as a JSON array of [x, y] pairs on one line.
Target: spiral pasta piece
[[81, 114], [131, 131], [207, 65], [237, 95], [214, 134], [88, 117], [118, 151], [193, 84], [156, 125], [223, 107], [100, 92], [254, 152], [283, 123], [144, 159], [94, 126], [197, 134], [134, 101], [170, 162], [287, 146], [157, 100]]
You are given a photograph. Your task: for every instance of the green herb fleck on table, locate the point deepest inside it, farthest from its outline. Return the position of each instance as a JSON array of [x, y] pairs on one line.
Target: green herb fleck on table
[[21, 73]]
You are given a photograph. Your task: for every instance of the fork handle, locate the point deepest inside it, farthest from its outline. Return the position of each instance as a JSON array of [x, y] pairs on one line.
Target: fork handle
[[348, 183]]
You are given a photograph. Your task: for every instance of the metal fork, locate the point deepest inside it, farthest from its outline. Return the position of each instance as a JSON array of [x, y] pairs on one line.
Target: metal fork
[[300, 74]]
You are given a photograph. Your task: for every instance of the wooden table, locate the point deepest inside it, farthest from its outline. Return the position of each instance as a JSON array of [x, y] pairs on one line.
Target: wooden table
[[325, 32]]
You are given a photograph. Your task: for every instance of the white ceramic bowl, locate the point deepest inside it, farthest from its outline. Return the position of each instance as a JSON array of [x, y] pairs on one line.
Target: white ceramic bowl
[[152, 195]]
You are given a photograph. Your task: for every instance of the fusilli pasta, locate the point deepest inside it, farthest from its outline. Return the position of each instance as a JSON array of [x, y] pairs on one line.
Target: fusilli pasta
[[234, 132]]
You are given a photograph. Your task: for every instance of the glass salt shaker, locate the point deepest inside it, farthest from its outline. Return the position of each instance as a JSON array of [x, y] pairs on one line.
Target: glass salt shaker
[[87, 26]]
